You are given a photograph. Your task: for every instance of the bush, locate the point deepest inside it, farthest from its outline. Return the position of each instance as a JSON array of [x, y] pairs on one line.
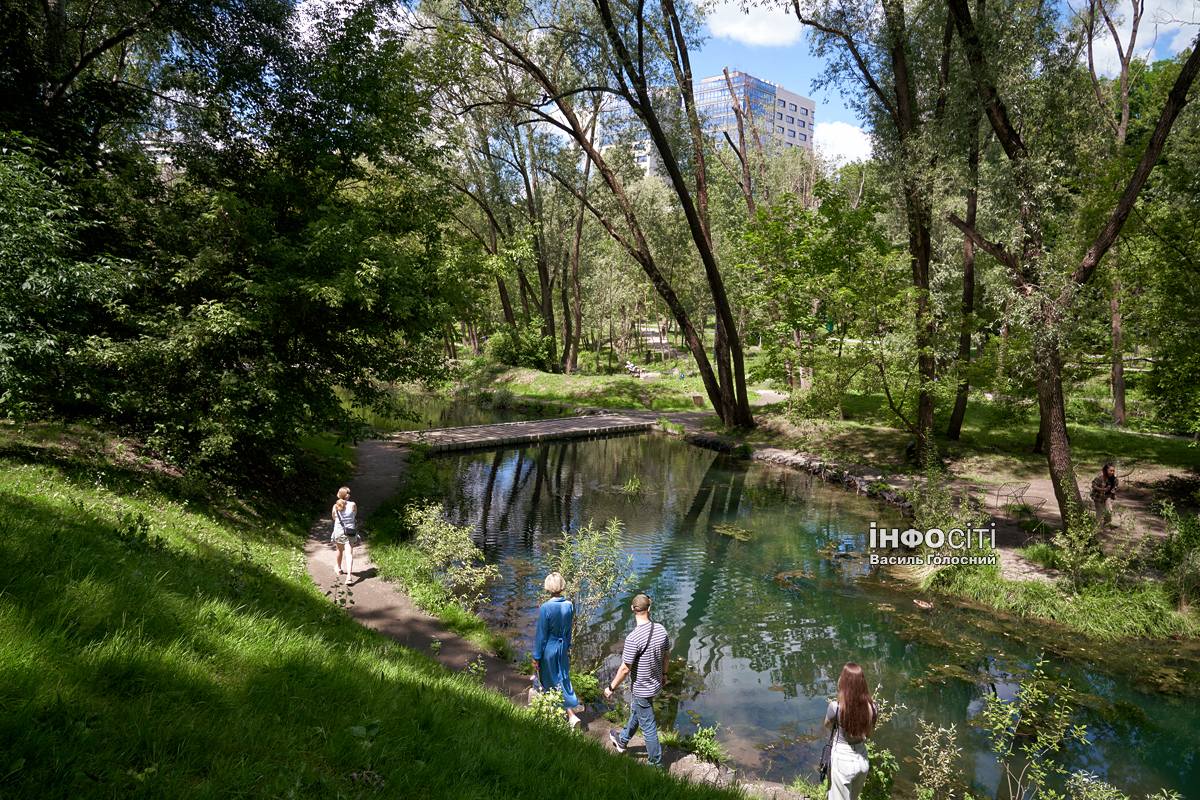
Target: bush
[[703, 743], [547, 708], [884, 767], [595, 568], [519, 346], [586, 686], [452, 555]]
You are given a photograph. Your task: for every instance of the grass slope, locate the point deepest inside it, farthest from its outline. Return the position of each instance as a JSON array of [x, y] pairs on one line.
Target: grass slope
[[158, 644]]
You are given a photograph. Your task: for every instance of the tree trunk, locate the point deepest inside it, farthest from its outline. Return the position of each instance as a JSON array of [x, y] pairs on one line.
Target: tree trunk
[[1053, 423], [968, 294], [509, 317], [1118, 353]]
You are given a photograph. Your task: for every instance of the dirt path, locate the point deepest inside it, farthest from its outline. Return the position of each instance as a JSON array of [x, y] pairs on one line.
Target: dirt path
[[381, 605], [384, 607]]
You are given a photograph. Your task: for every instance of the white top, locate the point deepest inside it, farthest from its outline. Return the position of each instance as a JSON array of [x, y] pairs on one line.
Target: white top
[[349, 515]]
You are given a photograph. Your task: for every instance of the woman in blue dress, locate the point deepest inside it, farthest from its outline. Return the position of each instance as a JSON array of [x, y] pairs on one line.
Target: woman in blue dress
[[552, 644]]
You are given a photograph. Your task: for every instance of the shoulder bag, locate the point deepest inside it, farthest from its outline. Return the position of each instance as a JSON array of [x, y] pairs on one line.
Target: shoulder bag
[[827, 751]]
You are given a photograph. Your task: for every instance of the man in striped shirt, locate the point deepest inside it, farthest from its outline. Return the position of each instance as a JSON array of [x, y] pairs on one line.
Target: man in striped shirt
[[645, 655]]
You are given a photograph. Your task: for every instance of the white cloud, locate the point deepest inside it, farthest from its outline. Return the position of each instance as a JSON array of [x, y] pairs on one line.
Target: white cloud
[[763, 27], [841, 142], [1167, 27]]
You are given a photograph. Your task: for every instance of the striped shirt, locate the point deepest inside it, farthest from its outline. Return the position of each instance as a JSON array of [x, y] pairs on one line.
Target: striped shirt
[[646, 669]]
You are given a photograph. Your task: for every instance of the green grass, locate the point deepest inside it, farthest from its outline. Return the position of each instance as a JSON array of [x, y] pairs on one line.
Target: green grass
[[190, 656], [870, 433], [1043, 553], [1103, 611], [814, 790], [605, 391]]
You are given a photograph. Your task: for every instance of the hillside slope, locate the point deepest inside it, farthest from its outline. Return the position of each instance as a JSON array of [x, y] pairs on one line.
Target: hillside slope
[[159, 644]]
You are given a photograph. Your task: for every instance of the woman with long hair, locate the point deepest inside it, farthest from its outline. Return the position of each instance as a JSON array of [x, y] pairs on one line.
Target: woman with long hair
[[852, 719], [552, 644], [345, 529]]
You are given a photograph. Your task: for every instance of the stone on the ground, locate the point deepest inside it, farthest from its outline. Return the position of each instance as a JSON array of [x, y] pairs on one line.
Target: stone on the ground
[[693, 769]]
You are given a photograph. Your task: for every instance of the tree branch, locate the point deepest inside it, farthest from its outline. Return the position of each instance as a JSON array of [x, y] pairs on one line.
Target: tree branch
[[852, 48], [997, 114], [1176, 100]]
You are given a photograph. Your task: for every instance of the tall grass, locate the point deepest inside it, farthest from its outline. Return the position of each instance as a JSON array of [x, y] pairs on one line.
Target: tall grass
[[1106, 611], [198, 660]]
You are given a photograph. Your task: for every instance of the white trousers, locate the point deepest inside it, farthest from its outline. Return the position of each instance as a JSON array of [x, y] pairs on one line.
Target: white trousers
[[848, 771]]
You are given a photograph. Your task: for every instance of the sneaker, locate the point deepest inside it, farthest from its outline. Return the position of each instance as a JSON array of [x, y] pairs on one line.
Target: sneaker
[[614, 736]]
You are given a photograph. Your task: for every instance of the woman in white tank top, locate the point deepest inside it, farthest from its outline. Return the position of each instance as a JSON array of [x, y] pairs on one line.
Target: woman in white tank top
[[345, 531]]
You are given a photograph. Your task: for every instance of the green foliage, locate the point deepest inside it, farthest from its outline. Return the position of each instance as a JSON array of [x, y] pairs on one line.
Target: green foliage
[[547, 708], [522, 345], [1082, 786], [1179, 556], [882, 777], [209, 289], [1078, 553], [451, 554], [703, 743], [1106, 611], [50, 293], [815, 281], [938, 754], [1027, 731], [632, 487], [808, 788], [398, 558], [586, 686], [595, 567]]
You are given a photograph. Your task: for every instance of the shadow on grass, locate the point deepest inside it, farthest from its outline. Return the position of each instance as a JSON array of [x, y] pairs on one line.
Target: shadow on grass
[[184, 663]]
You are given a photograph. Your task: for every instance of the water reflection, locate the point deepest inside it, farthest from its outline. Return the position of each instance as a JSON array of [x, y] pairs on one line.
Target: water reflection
[[766, 623]]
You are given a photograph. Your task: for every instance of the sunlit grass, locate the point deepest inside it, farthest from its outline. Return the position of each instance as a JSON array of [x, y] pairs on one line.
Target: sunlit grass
[[154, 646]]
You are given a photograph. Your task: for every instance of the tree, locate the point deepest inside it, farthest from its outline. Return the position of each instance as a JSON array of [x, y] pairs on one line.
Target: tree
[[608, 50], [1052, 295], [248, 236], [906, 77]]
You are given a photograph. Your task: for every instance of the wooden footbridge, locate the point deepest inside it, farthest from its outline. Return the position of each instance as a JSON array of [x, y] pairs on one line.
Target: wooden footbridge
[[472, 437]]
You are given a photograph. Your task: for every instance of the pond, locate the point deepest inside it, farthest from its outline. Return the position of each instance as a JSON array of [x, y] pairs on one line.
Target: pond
[[767, 618]]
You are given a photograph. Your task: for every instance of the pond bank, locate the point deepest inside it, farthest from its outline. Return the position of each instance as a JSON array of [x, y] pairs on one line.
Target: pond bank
[[382, 606]]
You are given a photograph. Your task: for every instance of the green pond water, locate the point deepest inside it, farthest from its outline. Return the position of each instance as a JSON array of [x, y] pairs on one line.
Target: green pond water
[[765, 624]]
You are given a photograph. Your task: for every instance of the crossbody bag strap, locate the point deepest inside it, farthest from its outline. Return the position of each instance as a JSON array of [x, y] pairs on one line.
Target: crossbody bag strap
[[637, 659]]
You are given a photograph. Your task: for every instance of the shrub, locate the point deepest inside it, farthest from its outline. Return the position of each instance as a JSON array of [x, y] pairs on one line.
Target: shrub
[[586, 686], [452, 555], [547, 708], [884, 767], [594, 566], [937, 759], [703, 743], [518, 346]]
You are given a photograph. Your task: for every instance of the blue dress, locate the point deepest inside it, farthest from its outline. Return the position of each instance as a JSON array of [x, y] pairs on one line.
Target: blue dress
[[551, 646]]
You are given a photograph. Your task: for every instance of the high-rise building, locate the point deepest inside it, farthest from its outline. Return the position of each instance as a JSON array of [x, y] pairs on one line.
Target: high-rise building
[[781, 116]]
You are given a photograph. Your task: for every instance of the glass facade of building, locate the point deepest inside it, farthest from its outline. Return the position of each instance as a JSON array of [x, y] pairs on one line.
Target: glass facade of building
[[785, 117]]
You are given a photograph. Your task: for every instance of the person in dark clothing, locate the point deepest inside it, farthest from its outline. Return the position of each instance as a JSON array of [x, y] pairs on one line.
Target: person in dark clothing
[[1104, 489]]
